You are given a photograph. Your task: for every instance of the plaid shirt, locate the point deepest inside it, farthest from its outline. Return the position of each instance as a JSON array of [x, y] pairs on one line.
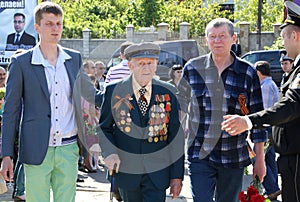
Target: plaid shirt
[[211, 97]]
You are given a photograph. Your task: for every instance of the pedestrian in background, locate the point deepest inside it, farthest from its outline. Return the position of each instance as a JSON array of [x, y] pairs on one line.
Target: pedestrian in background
[[120, 71], [284, 115], [2, 77], [287, 67], [47, 80], [100, 77], [270, 96], [236, 48], [216, 84]]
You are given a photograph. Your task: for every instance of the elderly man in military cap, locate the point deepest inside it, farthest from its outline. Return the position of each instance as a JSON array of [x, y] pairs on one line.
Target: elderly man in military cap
[[284, 115], [140, 133]]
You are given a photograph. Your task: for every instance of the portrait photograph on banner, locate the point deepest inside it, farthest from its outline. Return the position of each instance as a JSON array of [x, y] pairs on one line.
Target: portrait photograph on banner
[[16, 28]]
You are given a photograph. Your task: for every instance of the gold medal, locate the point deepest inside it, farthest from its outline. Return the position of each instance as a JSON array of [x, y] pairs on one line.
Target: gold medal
[[127, 129], [122, 122], [150, 139], [165, 137], [161, 138], [156, 139]]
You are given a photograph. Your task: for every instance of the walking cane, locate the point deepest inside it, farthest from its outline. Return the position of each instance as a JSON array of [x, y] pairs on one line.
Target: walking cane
[[112, 184], [112, 187]]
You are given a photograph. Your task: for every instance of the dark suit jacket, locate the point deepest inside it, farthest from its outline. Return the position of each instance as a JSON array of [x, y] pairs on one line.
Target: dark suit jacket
[[284, 116], [27, 84], [162, 160], [26, 42]]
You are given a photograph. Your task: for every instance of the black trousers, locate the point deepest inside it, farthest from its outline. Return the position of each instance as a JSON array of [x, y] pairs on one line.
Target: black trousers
[[146, 192], [289, 167]]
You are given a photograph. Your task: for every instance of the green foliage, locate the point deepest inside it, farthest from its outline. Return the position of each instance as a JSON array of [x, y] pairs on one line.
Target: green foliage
[[109, 18], [247, 10], [276, 46]]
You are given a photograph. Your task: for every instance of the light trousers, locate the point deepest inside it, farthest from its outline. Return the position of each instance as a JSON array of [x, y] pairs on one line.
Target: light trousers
[[58, 171]]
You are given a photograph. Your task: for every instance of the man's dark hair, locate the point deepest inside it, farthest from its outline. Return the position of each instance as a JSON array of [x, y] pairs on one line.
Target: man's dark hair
[[263, 67], [20, 14]]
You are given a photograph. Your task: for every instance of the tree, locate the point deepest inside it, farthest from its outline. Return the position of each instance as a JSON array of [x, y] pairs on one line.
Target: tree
[[246, 10], [109, 18]]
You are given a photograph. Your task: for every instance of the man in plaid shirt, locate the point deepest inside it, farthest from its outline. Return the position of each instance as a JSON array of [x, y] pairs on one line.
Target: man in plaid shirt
[[220, 83]]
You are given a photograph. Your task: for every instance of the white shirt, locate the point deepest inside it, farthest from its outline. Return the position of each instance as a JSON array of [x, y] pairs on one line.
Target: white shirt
[[63, 123]]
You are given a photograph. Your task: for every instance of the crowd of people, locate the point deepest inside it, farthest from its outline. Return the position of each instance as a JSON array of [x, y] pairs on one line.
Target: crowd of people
[[54, 105]]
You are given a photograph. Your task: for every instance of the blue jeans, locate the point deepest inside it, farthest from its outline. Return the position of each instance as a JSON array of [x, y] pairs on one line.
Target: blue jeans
[[210, 183], [270, 182]]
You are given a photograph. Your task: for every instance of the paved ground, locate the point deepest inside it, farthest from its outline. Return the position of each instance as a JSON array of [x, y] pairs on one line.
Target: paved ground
[[96, 188]]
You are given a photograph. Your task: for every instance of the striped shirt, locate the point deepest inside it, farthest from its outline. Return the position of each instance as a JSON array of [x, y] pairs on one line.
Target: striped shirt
[[211, 97], [118, 72]]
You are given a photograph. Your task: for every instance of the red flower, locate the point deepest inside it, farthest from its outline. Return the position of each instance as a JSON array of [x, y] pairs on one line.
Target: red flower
[[242, 197], [252, 195], [252, 191], [257, 198], [85, 117]]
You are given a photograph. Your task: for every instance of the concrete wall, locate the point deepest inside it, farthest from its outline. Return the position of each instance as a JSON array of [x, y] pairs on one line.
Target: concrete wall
[[102, 49]]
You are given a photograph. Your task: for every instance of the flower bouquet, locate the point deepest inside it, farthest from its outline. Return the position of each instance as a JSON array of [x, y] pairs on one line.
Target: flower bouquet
[[90, 131], [253, 193]]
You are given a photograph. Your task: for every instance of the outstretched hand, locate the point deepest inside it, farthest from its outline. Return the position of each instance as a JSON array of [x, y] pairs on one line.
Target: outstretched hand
[[234, 124]]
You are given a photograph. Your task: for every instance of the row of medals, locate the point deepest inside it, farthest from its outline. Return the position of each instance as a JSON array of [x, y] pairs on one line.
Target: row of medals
[[124, 122], [158, 124]]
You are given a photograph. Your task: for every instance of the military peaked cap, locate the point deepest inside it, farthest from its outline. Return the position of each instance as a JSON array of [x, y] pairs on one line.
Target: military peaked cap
[[142, 50], [293, 14]]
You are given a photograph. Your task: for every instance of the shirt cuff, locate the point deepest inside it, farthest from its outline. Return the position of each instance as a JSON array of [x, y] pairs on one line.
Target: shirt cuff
[[249, 123]]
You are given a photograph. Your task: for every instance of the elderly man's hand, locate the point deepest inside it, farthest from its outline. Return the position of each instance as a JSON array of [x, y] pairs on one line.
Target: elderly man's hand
[[234, 124], [175, 187], [112, 162]]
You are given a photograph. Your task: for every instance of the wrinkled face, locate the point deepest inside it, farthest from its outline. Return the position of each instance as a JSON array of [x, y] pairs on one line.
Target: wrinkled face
[[50, 28], [143, 69], [219, 40], [286, 66], [19, 23]]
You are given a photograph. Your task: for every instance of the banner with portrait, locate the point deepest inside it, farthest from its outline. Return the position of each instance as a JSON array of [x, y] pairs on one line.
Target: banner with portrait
[[16, 27]]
